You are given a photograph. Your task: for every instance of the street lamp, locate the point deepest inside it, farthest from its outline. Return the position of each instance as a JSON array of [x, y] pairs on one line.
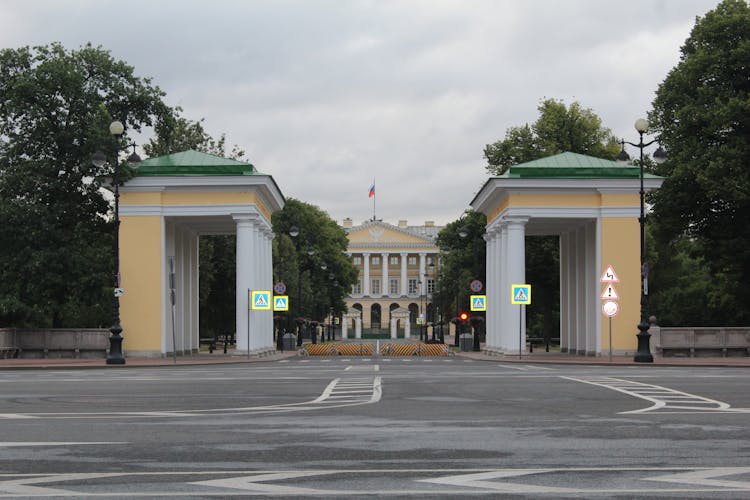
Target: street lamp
[[116, 129], [643, 354], [294, 232], [431, 269]]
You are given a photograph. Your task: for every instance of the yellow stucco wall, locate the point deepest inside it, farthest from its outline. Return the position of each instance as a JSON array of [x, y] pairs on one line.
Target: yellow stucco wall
[[141, 272], [195, 198], [621, 250], [565, 200]]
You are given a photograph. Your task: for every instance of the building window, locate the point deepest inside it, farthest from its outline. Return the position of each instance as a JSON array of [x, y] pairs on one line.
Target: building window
[[430, 285], [430, 260], [357, 288], [393, 287], [375, 287], [394, 260], [412, 286], [375, 261], [412, 260], [357, 261]]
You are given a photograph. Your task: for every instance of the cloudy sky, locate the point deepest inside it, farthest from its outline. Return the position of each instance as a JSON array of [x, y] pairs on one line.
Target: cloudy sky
[[327, 95]]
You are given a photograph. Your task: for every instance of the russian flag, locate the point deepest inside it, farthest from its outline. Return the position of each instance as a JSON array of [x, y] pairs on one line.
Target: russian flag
[[372, 190]]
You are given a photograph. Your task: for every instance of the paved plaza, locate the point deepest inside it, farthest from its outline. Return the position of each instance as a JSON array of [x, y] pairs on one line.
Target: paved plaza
[[402, 427]]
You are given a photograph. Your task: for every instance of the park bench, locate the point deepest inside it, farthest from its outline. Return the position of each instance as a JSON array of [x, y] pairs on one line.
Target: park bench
[[210, 342]]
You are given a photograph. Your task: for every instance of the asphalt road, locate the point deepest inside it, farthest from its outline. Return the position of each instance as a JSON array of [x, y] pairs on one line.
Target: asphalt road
[[401, 427]]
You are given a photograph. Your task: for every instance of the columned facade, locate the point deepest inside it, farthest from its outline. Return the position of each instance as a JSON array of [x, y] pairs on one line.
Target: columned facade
[[593, 206], [398, 266], [164, 210]]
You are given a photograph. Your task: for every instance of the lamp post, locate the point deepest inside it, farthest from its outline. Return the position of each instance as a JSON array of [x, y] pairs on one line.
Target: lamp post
[[294, 232], [431, 271], [643, 354], [116, 129]]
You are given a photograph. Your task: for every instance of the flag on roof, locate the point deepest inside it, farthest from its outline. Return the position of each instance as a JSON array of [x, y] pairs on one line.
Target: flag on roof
[[372, 190]]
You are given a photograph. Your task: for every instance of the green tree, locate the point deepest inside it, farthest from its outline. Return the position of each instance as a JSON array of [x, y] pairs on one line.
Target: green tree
[[327, 275], [462, 260], [177, 134], [701, 114], [558, 129], [55, 111]]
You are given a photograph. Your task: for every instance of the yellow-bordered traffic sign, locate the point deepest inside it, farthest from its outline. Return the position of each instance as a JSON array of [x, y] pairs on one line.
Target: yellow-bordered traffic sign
[[520, 294], [280, 302], [478, 302], [261, 300]]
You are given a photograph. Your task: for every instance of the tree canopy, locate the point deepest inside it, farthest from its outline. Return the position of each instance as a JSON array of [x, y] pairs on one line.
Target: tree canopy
[[558, 129], [56, 106], [326, 276], [701, 114]]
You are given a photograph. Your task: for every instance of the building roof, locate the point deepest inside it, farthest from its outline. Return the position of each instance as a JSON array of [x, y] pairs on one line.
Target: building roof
[[573, 165], [190, 163]]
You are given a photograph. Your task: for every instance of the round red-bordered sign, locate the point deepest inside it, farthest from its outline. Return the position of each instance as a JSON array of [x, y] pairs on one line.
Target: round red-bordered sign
[[610, 308], [279, 288], [476, 286]]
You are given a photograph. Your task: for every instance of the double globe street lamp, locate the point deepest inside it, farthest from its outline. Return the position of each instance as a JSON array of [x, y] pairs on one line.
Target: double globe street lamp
[[643, 354], [116, 128]]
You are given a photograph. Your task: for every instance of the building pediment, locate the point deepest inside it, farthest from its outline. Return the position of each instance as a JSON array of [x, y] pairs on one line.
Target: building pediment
[[377, 232]]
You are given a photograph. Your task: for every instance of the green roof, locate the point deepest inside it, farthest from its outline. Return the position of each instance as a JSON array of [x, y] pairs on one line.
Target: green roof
[[191, 162], [573, 165]]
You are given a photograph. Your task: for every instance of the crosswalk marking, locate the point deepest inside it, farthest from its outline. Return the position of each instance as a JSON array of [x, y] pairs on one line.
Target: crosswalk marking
[[664, 399]]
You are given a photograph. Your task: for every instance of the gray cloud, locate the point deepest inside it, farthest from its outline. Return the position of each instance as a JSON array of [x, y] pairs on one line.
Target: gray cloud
[[326, 95]]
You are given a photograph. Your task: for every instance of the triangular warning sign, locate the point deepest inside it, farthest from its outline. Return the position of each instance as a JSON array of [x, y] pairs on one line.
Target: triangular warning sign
[[609, 276], [520, 295], [260, 300], [280, 302], [609, 293]]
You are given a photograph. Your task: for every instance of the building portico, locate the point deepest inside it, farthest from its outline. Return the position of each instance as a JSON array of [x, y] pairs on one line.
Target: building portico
[[592, 205]]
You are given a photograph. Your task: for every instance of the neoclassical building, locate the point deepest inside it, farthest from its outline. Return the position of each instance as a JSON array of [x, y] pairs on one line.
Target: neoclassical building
[[397, 270]]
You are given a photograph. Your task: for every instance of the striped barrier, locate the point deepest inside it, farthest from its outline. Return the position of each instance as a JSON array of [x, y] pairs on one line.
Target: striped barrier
[[387, 349], [339, 349], [415, 350]]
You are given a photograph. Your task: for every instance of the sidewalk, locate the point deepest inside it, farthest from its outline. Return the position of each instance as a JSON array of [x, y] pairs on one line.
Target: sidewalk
[[196, 359], [218, 358]]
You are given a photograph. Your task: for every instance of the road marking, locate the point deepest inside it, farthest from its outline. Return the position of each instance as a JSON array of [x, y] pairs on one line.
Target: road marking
[[631, 482], [371, 393], [664, 399], [16, 444]]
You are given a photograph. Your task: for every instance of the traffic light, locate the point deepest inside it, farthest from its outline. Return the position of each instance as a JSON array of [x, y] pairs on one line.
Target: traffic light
[[463, 316]]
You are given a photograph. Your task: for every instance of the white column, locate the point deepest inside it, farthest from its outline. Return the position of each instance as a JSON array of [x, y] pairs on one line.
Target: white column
[[394, 331], [422, 256], [366, 284], [516, 262], [503, 296], [489, 288], [384, 286], [344, 327], [564, 292], [244, 275], [404, 260], [358, 327]]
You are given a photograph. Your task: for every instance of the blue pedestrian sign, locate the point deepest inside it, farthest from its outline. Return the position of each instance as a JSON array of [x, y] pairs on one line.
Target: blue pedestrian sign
[[261, 300], [478, 302], [520, 294], [281, 303]]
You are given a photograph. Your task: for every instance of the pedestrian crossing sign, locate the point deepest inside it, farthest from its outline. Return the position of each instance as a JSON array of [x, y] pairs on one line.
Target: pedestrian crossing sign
[[281, 303], [261, 300], [478, 302], [520, 294]]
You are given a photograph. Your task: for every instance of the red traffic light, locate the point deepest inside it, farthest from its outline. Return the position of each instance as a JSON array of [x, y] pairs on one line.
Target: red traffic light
[[463, 316]]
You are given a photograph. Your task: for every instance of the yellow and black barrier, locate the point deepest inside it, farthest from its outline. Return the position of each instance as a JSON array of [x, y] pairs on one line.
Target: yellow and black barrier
[[387, 349]]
